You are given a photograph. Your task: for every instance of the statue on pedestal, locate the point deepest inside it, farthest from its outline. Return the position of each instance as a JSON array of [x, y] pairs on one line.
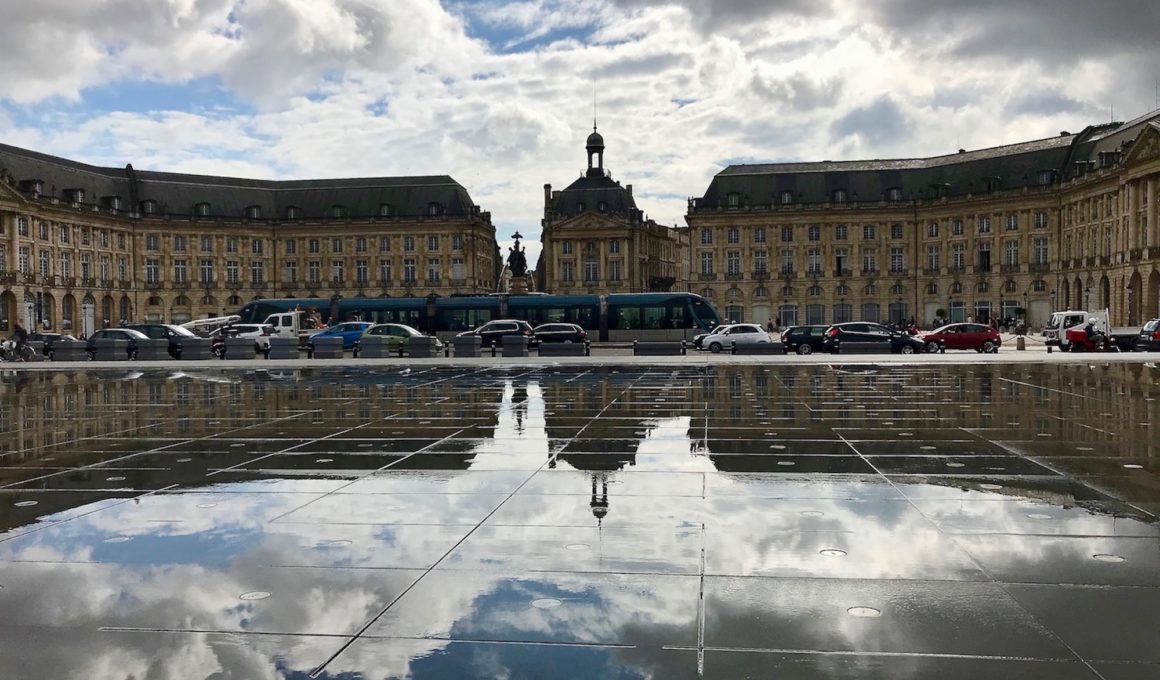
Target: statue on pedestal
[[517, 260]]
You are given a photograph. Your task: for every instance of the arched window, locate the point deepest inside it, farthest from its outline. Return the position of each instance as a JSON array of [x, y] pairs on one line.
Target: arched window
[[181, 301], [897, 289], [932, 289], [956, 288], [1040, 285], [234, 300], [787, 291], [983, 287], [815, 291], [761, 292], [707, 293], [842, 291], [208, 301], [838, 196], [733, 294], [870, 290], [153, 301], [201, 210], [1009, 286]]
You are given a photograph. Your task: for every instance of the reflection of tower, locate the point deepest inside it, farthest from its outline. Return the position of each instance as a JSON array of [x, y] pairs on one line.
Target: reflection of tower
[[599, 502], [519, 406]]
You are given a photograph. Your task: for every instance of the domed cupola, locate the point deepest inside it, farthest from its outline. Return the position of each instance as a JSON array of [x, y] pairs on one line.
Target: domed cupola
[[595, 146]]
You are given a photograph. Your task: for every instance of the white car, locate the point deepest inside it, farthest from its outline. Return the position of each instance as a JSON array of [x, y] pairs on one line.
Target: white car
[[260, 332], [736, 334]]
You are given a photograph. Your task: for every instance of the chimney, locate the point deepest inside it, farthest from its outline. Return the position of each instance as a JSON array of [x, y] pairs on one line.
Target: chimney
[[547, 195], [628, 188]]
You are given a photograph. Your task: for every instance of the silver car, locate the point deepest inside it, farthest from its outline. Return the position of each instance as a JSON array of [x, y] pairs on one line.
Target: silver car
[[736, 334]]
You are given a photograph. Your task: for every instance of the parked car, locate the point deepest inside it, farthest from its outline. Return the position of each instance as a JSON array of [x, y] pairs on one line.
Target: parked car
[[804, 339], [560, 332], [169, 332], [260, 332], [492, 331], [49, 339], [736, 334], [866, 332], [1149, 340], [397, 334], [116, 334], [699, 339], [976, 336], [349, 331]]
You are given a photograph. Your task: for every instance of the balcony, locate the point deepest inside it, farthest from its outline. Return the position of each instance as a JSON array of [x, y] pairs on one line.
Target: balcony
[[179, 285], [762, 275], [957, 269], [899, 272], [29, 278], [1040, 267], [206, 285], [1135, 255], [68, 281], [7, 277], [733, 276], [931, 271], [125, 284], [1089, 262], [1009, 269], [787, 275], [815, 272], [149, 285], [706, 277], [843, 272], [869, 272]]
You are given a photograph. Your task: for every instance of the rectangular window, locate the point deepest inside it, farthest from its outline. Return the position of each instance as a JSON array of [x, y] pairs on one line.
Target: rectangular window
[[896, 263], [1040, 220], [786, 261], [566, 247], [335, 246], [44, 266], [1040, 251], [591, 270], [458, 270], [152, 270], [815, 233], [1011, 253], [180, 272], [360, 271], [337, 273], [760, 262], [733, 262], [457, 242], [256, 248], [257, 272], [868, 233], [22, 226], [206, 244], [841, 232], [122, 269], [1012, 222], [706, 264], [231, 244], [759, 235], [314, 246], [984, 257], [896, 231], [409, 269], [787, 234], [984, 224], [105, 268], [932, 257], [151, 241], [932, 230], [434, 269], [179, 244], [384, 244], [869, 263], [957, 228], [360, 244], [432, 243], [706, 236], [87, 268], [42, 230], [104, 238], [291, 246], [233, 276], [842, 261], [567, 272], [614, 270], [290, 272], [314, 272], [65, 264], [64, 233], [408, 243], [206, 271], [958, 257], [385, 271], [814, 261], [614, 247]]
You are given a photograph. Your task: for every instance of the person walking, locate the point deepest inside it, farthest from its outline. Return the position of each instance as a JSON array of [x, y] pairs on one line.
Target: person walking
[[769, 326]]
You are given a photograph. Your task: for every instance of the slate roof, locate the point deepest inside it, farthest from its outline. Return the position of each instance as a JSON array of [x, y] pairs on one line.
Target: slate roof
[[177, 194], [1016, 165], [591, 190]]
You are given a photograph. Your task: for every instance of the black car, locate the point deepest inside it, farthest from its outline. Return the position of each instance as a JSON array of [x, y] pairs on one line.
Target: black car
[[869, 332], [158, 331], [492, 332], [804, 339], [1149, 340], [699, 339], [560, 332], [49, 339], [116, 334]]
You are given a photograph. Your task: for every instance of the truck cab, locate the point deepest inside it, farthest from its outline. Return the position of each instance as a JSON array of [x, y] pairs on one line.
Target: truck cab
[[296, 324], [1055, 332]]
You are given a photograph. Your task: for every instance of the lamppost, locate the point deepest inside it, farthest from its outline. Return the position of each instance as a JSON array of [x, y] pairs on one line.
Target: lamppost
[[1130, 319], [1054, 296], [1087, 299]]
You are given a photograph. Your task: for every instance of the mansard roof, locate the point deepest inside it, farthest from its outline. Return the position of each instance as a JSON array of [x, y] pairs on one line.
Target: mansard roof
[[176, 194]]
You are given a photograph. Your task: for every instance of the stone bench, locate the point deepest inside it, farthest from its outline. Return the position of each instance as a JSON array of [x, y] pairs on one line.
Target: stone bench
[[514, 346], [422, 347], [239, 349], [856, 347], [283, 348], [326, 348], [658, 349], [153, 349], [468, 346], [563, 349], [65, 350], [374, 347], [111, 349], [759, 348], [196, 349]]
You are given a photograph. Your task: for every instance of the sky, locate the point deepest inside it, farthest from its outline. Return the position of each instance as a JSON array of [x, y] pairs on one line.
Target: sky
[[502, 94]]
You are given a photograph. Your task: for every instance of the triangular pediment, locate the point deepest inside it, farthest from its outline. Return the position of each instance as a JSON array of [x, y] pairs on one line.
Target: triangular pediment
[[588, 221], [1146, 147], [10, 193]]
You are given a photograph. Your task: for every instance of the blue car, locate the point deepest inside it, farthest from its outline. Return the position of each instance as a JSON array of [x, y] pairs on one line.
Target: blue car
[[349, 331]]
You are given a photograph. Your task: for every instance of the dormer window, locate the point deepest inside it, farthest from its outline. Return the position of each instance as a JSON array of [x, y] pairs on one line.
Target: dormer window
[[33, 186], [74, 195], [253, 212], [338, 211], [580, 207], [292, 213], [992, 183], [1046, 177], [111, 202], [149, 207], [786, 198], [201, 210], [602, 206], [894, 194], [838, 196], [434, 209], [733, 200], [386, 210]]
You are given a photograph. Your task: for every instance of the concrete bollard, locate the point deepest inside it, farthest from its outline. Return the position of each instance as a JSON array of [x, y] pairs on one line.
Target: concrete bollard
[[1020, 343]]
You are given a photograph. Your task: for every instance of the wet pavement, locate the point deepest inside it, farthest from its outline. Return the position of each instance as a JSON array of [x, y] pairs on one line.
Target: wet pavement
[[636, 521]]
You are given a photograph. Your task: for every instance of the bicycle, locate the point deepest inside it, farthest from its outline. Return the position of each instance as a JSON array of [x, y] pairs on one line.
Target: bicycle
[[9, 352]]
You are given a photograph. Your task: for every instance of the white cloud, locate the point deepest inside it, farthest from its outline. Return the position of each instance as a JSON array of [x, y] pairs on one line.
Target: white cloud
[[398, 87]]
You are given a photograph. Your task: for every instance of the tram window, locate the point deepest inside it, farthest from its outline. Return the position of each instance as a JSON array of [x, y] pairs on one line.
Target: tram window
[[624, 318], [463, 319], [668, 316]]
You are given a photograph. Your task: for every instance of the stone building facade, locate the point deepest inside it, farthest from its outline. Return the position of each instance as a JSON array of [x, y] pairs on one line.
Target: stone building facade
[[595, 239], [83, 247], [1019, 230]]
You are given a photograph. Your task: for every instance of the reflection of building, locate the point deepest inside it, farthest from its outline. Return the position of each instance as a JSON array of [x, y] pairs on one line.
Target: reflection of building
[[1067, 222], [82, 246], [595, 239]]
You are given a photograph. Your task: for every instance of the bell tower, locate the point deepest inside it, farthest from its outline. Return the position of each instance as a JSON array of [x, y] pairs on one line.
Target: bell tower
[[595, 148]]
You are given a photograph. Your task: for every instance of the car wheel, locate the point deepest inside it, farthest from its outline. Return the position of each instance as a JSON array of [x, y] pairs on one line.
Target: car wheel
[[988, 347], [931, 347], [715, 347], [907, 349], [804, 350], [567, 342]]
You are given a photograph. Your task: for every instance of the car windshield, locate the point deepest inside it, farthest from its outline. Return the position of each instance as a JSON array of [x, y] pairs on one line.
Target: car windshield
[[1053, 322], [1152, 325], [183, 332]]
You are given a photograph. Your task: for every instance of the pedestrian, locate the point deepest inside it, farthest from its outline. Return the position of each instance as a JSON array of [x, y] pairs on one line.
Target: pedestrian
[[777, 323], [769, 326]]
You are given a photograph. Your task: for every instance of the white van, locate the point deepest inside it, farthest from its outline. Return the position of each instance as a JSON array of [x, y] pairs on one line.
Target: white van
[[296, 324]]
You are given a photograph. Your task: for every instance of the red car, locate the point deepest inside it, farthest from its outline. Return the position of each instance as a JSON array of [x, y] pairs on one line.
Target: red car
[[976, 336]]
